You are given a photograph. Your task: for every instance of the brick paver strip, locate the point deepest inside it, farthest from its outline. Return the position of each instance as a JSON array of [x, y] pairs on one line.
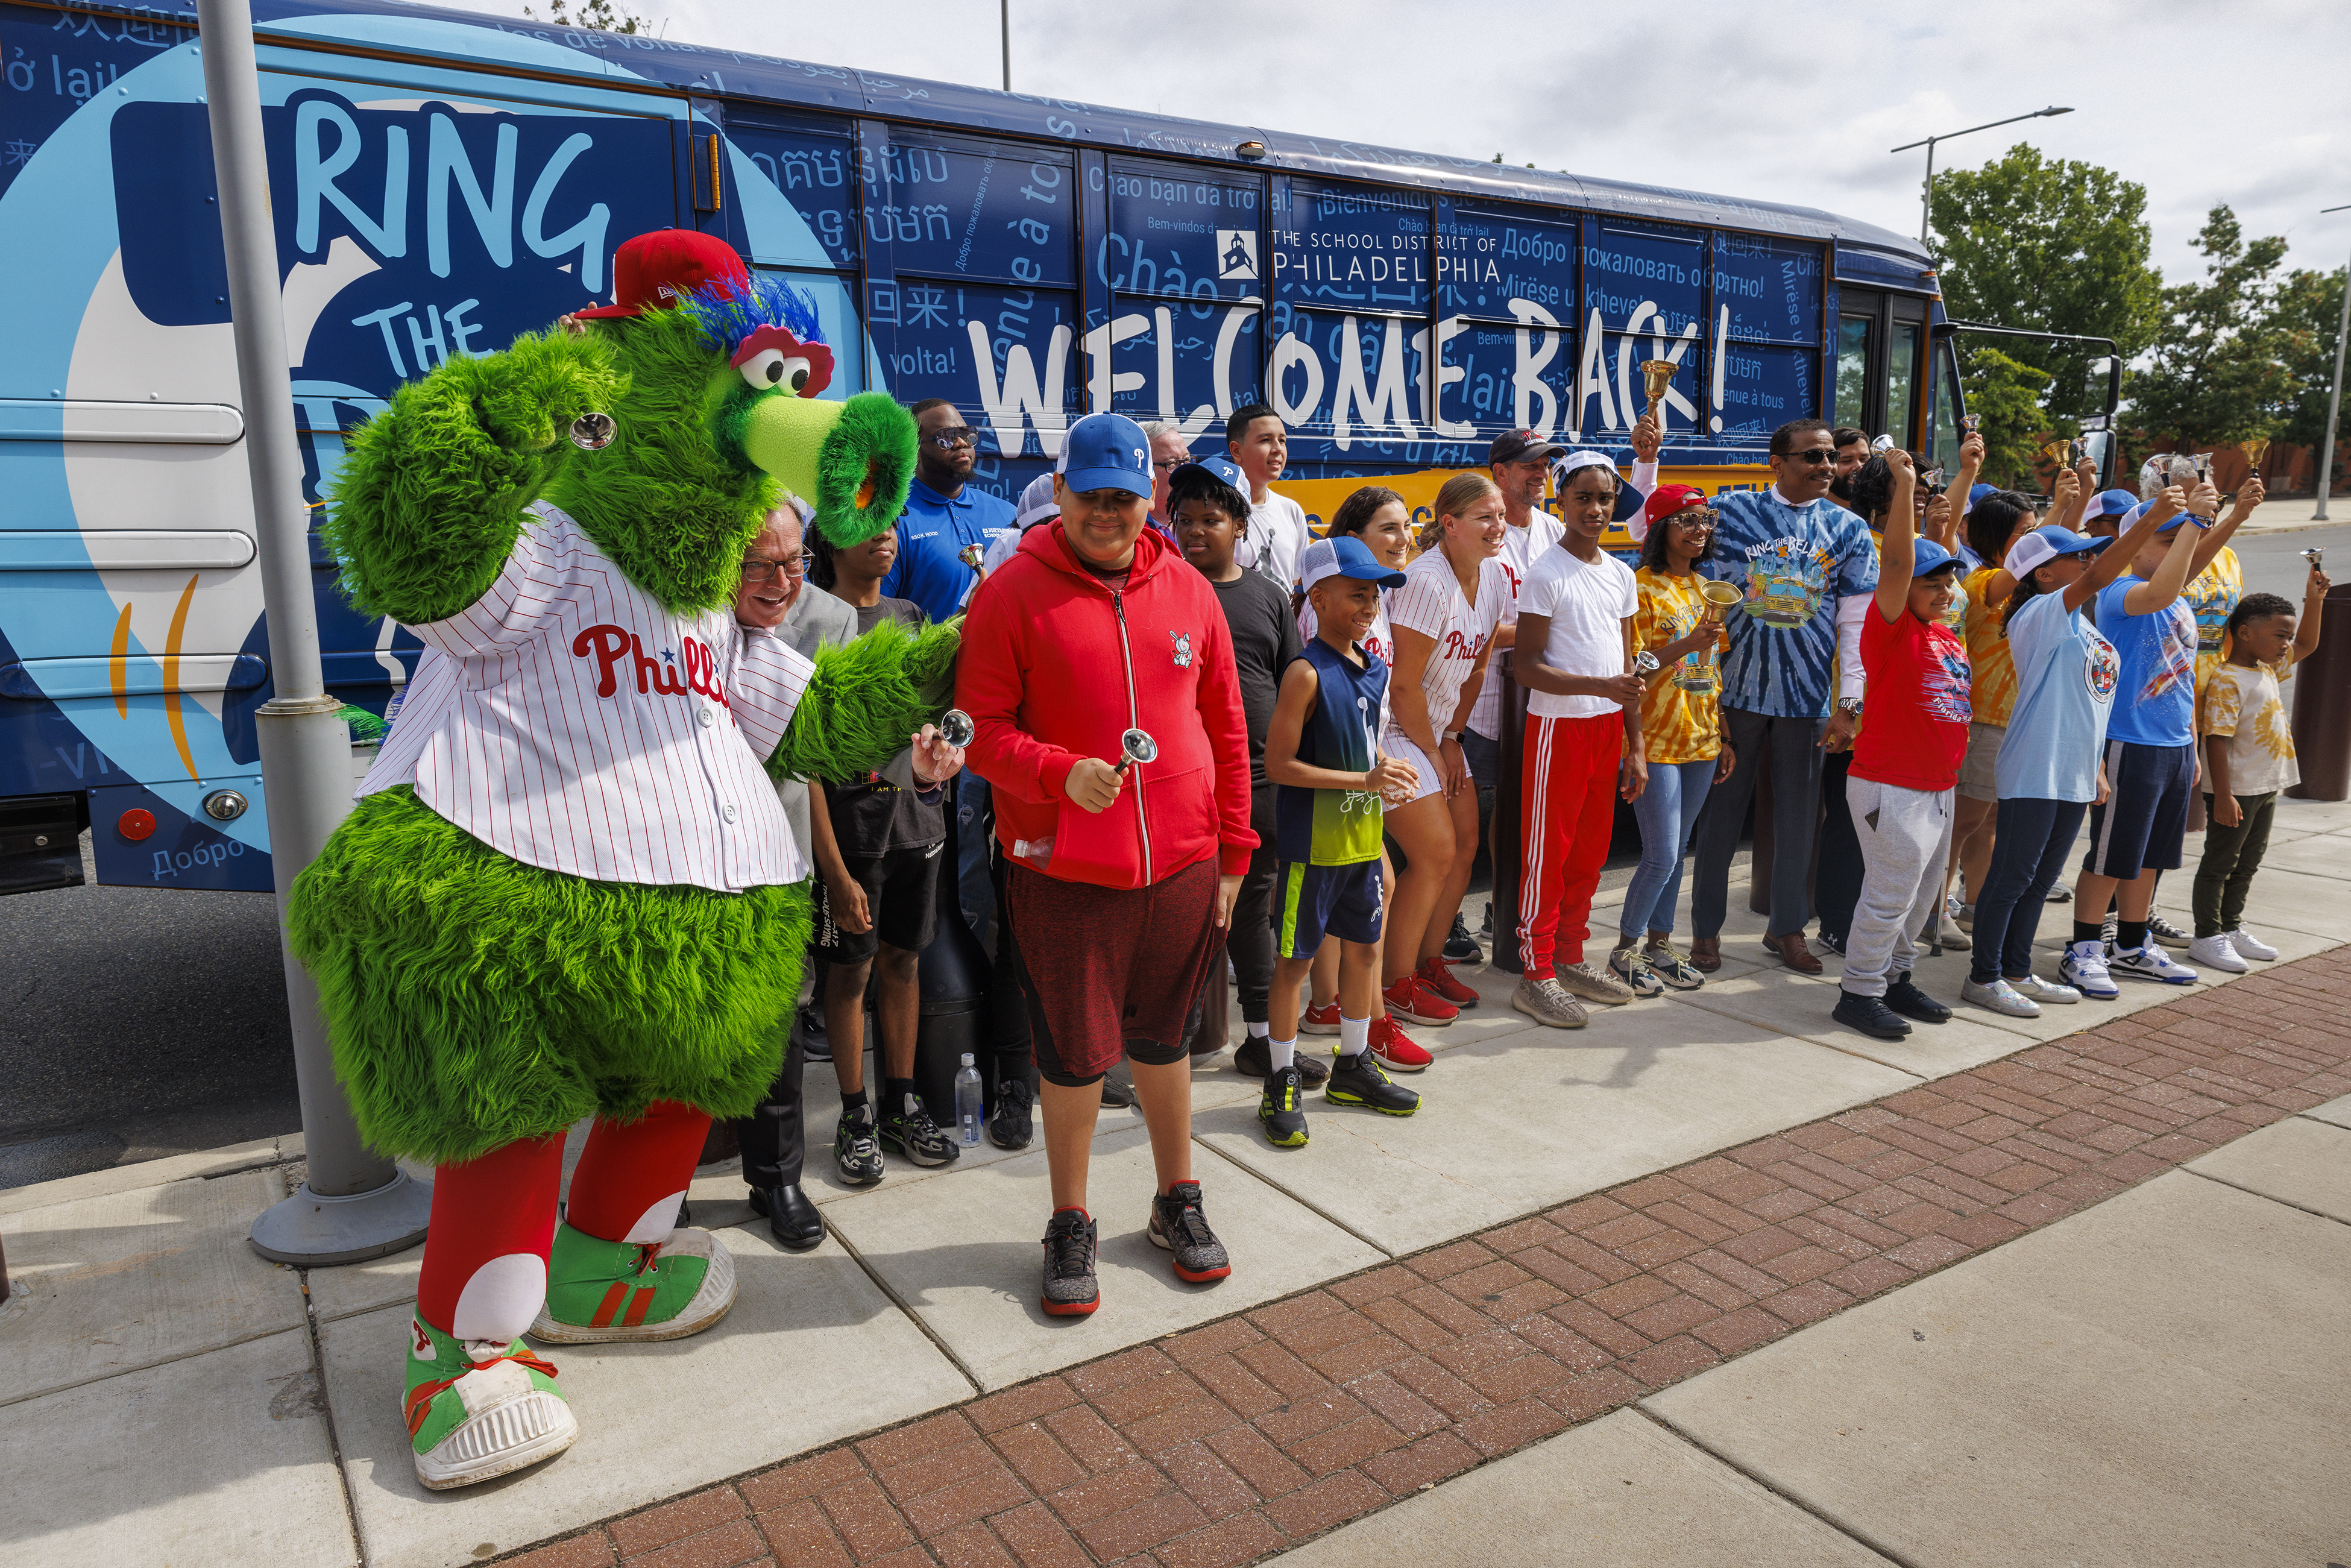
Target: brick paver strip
[[1228, 1443]]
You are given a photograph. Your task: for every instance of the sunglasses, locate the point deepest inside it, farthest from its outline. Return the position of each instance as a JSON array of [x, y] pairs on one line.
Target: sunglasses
[[960, 435], [1815, 455]]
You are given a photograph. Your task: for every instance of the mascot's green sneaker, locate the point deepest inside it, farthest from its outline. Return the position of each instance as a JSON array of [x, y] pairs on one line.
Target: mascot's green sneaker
[[476, 1408], [599, 1291]]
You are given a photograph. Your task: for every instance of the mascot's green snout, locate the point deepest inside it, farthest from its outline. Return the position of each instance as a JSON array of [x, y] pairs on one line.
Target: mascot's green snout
[[566, 891]]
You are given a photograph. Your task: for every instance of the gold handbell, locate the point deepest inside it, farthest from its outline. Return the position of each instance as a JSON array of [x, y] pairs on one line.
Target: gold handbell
[[2060, 453], [1656, 375], [2254, 450]]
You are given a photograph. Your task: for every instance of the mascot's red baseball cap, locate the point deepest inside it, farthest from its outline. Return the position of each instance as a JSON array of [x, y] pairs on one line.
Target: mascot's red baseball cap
[[655, 271]]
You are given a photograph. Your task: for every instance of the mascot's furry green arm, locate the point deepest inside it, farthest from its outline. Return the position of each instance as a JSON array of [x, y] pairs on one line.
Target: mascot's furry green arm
[[475, 999]]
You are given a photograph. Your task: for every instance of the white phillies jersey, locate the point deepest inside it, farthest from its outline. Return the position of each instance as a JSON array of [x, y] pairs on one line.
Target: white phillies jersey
[[565, 719], [1429, 602], [1520, 550]]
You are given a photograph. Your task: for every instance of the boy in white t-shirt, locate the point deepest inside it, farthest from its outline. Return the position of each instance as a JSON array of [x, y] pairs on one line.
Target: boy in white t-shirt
[[1584, 743], [1260, 443]]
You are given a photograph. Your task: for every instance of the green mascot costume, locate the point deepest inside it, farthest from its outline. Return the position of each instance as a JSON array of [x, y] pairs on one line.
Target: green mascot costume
[[567, 890]]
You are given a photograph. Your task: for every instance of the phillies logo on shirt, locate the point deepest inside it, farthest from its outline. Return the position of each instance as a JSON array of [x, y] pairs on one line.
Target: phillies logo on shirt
[[611, 643], [1456, 646], [2101, 668], [1181, 652]]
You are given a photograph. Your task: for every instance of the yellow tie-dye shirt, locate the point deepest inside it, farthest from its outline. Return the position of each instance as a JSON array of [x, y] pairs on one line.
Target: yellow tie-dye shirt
[[1988, 655], [2212, 594], [1681, 715], [2244, 702]]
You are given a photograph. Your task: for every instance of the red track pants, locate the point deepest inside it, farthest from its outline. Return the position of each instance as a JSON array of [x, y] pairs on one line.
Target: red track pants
[[1567, 808]]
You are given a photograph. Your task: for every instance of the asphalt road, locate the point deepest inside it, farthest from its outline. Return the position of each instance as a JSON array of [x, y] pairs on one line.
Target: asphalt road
[[141, 1023]]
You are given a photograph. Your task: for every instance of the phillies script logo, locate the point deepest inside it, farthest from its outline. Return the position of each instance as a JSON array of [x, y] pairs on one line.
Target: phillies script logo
[[610, 644], [1456, 646]]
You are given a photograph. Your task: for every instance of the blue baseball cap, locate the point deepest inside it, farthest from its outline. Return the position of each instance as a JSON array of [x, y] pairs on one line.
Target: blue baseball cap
[[1106, 452], [2110, 504], [1931, 557], [2138, 509], [1345, 555], [1223, 468], [2045, 544], [1977, 492]]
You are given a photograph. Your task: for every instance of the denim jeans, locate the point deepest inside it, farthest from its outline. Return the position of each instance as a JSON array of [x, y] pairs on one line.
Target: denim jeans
[[1665, 811], [2031, 842]]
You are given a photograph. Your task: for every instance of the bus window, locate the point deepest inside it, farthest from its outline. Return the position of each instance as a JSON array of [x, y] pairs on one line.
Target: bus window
[[1853, 371], [1947, 410], [1902, 382]]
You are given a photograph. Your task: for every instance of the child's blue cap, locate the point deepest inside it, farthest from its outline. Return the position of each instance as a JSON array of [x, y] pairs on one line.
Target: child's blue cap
[[2110, 504], [1931, 557], [1345, 555], [2045, 544], [1106, 452], [1977, 492], [1223, 468], [2139, 508]]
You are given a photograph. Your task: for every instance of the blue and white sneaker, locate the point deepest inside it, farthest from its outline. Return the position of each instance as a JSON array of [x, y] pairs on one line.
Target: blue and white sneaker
[[2152, 963], [2083, 967], [2036, 988]]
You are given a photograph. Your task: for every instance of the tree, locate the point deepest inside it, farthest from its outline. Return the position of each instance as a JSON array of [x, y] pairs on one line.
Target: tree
[[2005, 396], [2309, 314], [2217, 371], [2051, 246], [600, 15]]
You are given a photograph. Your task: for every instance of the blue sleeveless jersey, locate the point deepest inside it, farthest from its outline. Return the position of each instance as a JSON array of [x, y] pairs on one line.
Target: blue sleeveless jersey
[[1334, 827]]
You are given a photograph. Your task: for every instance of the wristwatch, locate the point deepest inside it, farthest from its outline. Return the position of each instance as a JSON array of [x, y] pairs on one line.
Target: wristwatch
[[1850, 707], [1452, 735]]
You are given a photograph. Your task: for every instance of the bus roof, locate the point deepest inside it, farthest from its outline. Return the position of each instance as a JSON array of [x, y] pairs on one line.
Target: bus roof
[[1866, 253]]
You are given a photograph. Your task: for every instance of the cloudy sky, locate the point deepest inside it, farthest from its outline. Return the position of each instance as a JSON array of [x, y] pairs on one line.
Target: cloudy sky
[[2243, 103]]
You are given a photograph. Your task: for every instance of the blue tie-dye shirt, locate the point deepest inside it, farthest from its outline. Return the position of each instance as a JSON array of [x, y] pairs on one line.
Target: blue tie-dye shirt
[[1795, 563]]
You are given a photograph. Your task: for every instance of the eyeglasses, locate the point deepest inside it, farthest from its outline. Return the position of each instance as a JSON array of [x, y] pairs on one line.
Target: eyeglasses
[[958, 435], [1169, 464], [755, 569], [1815, 455]]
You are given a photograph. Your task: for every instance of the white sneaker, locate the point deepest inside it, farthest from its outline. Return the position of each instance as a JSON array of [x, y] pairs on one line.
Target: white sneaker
[[2217, 952], [2033, 988], [2248, 945], [1963, 915], [2152, 963], [2000, 997], [2083, 968]]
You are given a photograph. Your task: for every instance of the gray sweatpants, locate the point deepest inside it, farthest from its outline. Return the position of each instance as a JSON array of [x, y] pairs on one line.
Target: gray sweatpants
[[1905, 840]]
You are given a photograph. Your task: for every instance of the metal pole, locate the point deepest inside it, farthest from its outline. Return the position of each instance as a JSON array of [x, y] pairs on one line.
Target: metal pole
[[1927, 196], [1004, 18], [355, 1204], [2334, 402]]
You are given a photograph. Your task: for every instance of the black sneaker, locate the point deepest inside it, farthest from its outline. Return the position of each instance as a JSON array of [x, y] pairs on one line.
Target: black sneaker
[[855, 1149], [815, 1044], [1070, 1290], [1357, 1080], [1115, 1096], [1913, 1003], [1460, 947], [1278, 1111], [1009, 1125], [1832, 940], [910, 1130], [1870, 1014], [1253, 1058], [1180, 1229]]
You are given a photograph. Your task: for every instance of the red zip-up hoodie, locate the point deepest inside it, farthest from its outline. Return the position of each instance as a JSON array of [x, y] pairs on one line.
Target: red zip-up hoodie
[[1057, 665]]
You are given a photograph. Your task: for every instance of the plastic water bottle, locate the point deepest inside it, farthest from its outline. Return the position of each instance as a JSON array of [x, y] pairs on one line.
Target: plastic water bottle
[[967, 1108]]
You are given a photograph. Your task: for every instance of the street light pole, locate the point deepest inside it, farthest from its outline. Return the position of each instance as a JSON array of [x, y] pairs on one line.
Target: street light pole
[[2335, 398], [353, 1204], [1927, 194], [1004, 19]]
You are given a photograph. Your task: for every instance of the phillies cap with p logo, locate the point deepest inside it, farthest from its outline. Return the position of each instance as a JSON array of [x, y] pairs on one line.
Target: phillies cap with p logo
[[1105, 451], [656, 271]]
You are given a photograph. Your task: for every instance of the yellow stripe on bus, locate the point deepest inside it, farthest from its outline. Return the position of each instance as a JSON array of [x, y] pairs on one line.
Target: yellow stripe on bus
[[119, 671], [172, 678]]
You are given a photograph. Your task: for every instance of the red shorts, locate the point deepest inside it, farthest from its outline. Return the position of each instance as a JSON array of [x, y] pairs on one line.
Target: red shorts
[[1110, 972]]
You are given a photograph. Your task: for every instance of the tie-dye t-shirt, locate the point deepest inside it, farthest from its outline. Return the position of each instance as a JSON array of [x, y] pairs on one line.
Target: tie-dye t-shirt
[[1988, 651], [2154, 700], [2211, 597], [2244, 702], [1680, 714], [1794, 563]]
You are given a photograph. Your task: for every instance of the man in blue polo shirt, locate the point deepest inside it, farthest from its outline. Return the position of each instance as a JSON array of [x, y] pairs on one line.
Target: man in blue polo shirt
[[944, 514]]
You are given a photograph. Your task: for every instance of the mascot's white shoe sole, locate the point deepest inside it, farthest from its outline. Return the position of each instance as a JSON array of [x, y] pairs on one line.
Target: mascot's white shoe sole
[[508, 1434], [711, 1303]]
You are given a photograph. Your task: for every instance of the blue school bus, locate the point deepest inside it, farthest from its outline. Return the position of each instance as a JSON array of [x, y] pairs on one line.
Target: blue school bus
[[441, 181]]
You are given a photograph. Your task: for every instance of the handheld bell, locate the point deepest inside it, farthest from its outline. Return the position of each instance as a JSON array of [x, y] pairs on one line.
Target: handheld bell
[[2254, 449], [1720, 593], [1645, 664], [1969, 423], [592, 432], [2060, 453], [2315, 557], [1137, 747], [1883, 443], [1656, 375], [971, 556], [955, 727]]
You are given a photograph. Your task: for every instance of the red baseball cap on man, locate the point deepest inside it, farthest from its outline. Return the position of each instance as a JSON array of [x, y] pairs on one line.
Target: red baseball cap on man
[[655, 271], [1664, 502]]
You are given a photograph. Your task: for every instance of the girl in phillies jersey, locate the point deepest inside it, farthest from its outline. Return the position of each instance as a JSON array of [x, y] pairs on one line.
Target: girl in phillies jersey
[[1453, 597]]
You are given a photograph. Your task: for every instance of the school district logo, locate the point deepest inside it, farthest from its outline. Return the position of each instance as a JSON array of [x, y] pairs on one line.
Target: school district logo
[[1182, 650], [1237, 254], [2101, 668]]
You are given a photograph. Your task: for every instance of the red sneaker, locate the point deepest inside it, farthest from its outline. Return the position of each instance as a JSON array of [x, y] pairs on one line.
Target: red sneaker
[[1395, 1050], [1324, 1019], [1412, 1001], [1439, 978]]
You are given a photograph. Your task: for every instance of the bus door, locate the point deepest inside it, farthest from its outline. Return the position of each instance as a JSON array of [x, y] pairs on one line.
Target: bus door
[[1881, 364]]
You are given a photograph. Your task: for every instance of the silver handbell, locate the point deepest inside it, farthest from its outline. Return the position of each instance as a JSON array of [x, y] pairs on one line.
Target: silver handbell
[[1645, 664], [592, 432], [955, 727], [1137, 747], [2315, 557]]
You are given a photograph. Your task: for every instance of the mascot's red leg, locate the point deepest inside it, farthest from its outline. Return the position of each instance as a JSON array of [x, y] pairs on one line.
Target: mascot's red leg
[[623, 1267], [632, 1175], [485, 1274]]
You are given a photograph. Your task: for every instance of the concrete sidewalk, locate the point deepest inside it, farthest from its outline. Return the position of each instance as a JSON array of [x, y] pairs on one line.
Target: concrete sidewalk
[[169, 1397]]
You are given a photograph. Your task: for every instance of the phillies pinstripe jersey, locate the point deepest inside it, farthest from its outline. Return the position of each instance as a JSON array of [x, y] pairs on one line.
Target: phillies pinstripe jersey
[[565, 719]]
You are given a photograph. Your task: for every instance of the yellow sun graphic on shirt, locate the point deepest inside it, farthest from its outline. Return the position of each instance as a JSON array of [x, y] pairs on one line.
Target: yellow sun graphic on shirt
[[2276, 736]]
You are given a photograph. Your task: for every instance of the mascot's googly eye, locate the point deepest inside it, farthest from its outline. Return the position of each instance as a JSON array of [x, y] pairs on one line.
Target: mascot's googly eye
[[772, 359], [769, 368]]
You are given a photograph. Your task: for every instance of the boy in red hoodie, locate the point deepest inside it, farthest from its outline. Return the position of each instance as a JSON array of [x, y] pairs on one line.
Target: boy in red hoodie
[[1098, 671]]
